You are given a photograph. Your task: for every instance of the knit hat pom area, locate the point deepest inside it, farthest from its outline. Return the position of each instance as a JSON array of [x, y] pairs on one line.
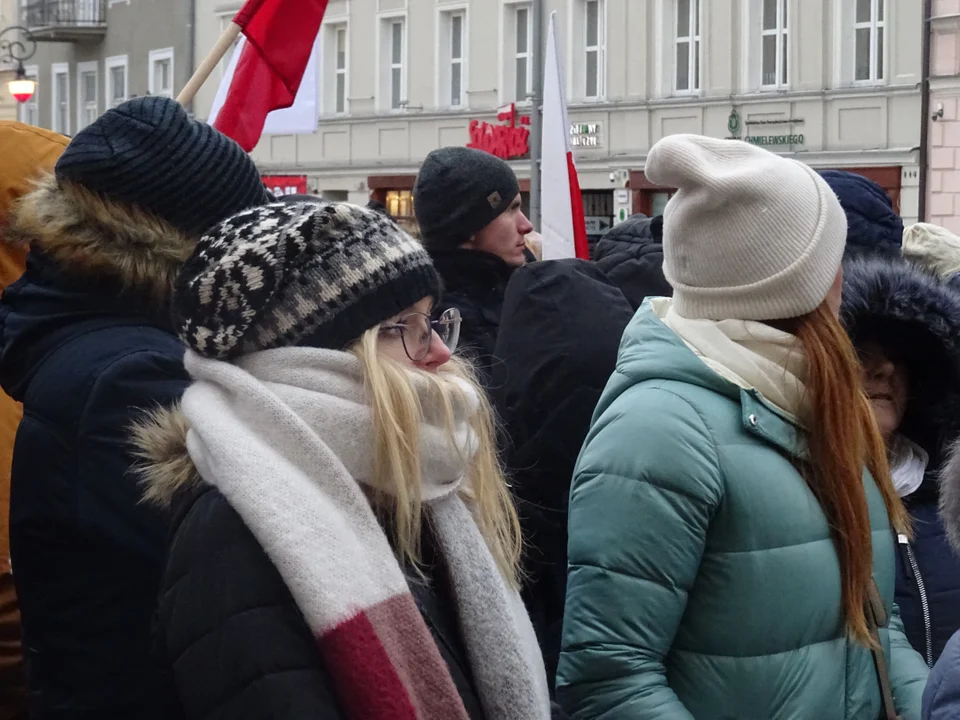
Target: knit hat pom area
[[281, 275], [749, 235]]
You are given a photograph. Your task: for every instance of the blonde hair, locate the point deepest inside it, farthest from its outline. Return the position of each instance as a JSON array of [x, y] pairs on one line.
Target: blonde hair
[[397, 416]]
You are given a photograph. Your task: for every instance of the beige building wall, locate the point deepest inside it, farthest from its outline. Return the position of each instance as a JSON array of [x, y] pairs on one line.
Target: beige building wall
[[808, 97], [943, 188]]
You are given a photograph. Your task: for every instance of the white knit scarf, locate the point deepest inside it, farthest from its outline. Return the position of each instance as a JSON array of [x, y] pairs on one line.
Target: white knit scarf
[[286, 436], [751, 355]]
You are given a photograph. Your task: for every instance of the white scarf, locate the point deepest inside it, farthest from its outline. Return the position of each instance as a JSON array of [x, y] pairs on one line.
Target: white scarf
[[751, 355], [286, 436], [908, 464]]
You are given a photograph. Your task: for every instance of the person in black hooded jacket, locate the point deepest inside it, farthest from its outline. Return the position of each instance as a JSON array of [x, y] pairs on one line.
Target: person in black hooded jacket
[[468, 206], [561, 327], [905, 324], [631, 256]]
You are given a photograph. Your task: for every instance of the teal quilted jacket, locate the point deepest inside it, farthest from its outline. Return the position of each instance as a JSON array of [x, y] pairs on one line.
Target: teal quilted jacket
[[703, 582]]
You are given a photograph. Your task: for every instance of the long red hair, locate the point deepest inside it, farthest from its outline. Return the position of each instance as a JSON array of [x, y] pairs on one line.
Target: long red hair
[[842, 438]]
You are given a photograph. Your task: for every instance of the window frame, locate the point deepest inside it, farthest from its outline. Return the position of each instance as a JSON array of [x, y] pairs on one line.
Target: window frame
[[876, 26], [57, 69], [109, 65], [445, 61], [341, 73], [87, 68], [157, 56], [694, 48], [525, 55], [385, 64], [599, 49], [781, 31]]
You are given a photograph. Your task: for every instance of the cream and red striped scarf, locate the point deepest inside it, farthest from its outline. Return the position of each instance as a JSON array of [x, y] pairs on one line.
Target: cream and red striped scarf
[[286, 436]]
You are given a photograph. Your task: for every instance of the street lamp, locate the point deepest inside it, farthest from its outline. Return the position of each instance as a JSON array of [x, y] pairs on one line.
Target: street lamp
[[19, 47]]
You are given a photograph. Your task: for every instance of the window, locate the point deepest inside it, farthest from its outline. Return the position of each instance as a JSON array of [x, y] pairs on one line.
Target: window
[[400, 204], [88, 101], [393, 62], [688, 46], [452, 52], [161, 72], [115, 69], [524, 57], [60, 107], [774, 44], [593, 49], [30, 110], [340, 102], [868, 41]]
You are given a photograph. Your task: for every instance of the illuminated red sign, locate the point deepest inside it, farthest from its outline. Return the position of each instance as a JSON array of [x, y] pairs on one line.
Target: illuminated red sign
[[505, 141], [286, 184]]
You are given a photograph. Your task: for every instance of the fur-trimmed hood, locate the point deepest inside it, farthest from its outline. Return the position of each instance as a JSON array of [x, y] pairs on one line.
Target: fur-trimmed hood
[[92, 237], [916, 318], [164, 466]]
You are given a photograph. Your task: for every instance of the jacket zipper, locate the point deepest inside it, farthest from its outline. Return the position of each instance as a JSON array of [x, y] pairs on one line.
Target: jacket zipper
[[924, 603]]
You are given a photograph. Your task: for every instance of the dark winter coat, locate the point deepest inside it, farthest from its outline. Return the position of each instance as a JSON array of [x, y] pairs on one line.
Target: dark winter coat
[[231, 640], [631, 255], [85, 345], [474, 282], [916, 319], [873, 226], [562, 322]]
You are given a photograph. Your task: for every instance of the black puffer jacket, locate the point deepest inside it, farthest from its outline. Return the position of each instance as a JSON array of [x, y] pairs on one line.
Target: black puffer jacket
[[631, 255], [555, 363], [230, 638], [916, 320], [474, 282]]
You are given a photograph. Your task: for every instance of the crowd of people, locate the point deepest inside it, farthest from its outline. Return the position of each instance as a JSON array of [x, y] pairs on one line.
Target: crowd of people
[[282, 459]]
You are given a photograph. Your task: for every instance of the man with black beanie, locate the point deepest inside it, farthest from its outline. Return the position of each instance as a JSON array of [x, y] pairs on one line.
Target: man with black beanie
[[87, 345], [468, 207]]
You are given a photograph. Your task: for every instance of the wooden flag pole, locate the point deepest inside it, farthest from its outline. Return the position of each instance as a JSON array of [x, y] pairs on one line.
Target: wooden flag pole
[[206, 68]]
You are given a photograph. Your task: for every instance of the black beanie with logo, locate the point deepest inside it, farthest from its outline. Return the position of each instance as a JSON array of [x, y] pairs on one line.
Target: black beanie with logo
[[459, 191]]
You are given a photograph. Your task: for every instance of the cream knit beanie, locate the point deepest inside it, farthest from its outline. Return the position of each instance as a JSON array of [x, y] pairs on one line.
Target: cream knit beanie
[[933, 248], [748, 235]]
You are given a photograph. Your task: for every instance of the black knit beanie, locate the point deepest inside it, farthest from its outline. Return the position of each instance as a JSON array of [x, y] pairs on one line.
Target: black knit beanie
[[459, 191], [297, 275], [147, 152]]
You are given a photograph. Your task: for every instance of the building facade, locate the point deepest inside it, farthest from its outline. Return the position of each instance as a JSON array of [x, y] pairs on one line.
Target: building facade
[[834, 83], [943, 122], [94, 54], [8, 18]]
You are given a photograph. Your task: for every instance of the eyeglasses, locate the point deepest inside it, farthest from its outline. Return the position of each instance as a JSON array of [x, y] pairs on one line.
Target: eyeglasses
[[416, 332]]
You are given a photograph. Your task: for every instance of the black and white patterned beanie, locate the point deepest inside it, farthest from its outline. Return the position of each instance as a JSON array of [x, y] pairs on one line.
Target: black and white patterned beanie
[[286, 275]]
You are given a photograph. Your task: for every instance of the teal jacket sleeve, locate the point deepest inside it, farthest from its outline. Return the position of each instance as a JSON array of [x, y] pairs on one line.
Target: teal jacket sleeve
[[645, 490], [908, 671]]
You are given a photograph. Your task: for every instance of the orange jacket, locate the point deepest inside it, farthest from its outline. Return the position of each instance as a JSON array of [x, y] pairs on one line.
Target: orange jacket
[[27, 152]]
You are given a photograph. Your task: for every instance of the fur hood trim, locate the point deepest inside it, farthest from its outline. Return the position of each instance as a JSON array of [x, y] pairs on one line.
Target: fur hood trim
[[164, 465], [950, 496], [916, 318], [90, 235]]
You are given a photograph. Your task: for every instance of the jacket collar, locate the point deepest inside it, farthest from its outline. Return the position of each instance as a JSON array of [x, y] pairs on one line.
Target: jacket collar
[[462, 268], [763, 420]]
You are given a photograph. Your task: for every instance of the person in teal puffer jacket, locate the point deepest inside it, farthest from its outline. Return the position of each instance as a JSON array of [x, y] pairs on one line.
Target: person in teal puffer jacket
[[704, 579]]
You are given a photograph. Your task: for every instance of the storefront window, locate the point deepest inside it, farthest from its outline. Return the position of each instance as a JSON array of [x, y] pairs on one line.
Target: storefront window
[[400, 204]]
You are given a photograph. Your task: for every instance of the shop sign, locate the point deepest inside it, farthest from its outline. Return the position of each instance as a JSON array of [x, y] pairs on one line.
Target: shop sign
[[508, 141], [281, 185], [735, 126], [585, 135], [597, 225]]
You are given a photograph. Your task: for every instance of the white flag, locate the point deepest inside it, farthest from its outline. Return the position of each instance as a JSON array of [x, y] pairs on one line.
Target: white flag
[[298, 119], [561, 205]]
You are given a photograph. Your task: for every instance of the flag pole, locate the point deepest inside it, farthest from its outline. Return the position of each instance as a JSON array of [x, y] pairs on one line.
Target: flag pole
[[210, 62], [536, 115]]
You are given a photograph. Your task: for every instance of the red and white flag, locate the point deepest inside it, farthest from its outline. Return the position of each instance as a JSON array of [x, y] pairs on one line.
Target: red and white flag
[[561, 205], [276, 54]]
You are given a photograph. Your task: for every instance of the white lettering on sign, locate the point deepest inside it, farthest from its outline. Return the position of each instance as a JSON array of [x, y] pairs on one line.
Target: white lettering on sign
[[585, 134]]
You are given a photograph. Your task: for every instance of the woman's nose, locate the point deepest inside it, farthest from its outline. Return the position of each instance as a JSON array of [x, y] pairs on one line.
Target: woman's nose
[[883, 370], [436, 356]]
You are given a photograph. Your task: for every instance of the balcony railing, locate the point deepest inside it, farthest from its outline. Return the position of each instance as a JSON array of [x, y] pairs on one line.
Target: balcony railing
[[66, 20]]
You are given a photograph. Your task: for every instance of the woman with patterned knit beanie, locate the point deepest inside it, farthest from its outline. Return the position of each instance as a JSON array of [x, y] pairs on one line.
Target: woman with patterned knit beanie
[[743, 566], [344, 543]]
